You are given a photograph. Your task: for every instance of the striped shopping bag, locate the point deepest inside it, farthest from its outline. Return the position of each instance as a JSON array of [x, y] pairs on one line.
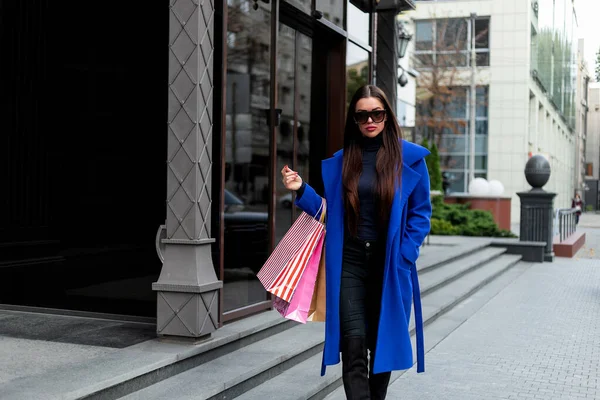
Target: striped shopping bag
[[283, 269]]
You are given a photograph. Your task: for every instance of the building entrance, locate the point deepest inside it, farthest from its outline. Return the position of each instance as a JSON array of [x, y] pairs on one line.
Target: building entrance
[[83, 155]]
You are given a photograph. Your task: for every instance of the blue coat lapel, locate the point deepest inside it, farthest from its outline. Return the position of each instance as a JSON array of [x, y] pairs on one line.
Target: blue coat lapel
[[410, 178]]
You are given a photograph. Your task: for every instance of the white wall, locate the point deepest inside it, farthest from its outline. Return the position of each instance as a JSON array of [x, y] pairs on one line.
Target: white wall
[[592, 154]]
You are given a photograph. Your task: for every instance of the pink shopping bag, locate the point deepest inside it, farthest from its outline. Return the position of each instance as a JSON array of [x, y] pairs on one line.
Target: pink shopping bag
[[283, 269], [298, 308]]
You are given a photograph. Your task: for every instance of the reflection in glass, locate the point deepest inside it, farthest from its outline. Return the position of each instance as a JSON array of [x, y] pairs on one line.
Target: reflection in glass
[[457, 181], [424, 35], [445, 117], [295, 118], [357, 69], [358, 24], [553, 53], [333, 11], [303, 5], [246, 238]]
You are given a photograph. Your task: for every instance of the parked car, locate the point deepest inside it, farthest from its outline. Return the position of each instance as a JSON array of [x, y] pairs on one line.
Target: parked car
[[246, 235], [286, 200]]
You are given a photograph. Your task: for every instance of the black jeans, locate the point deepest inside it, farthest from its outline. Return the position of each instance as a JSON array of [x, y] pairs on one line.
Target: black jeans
[[360, 306], [361, 286]]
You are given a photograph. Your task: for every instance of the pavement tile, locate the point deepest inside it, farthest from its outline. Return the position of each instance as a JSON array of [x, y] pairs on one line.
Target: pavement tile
[[537, 339]]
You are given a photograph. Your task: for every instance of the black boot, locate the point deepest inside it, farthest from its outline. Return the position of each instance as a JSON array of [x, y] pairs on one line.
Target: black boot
[[378, 383], [354, 368]]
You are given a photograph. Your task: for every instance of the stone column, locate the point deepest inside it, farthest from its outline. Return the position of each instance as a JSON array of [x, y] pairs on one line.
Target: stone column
[[188, 288], [387, 58], [537, 206]]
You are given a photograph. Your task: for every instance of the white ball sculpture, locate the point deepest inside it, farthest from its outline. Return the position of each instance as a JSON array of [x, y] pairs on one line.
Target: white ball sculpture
[[496, 188], [479, 187]]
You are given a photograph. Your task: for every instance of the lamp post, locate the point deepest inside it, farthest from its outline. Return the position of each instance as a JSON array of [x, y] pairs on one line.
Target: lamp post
[[403, 37]]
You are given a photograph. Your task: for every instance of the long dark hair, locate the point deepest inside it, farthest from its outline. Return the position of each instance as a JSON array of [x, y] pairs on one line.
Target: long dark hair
[[388, 163]]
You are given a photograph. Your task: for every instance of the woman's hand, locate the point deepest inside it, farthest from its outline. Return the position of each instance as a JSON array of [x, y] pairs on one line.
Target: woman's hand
[[291, 179]]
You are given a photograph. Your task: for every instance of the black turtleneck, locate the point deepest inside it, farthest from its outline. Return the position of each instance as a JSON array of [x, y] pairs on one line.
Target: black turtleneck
[[368, 219]]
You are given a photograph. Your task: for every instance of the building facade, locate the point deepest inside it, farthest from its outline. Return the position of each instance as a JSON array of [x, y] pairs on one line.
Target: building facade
[[592, 150], [142, 156], [525, 89], [583, 79]]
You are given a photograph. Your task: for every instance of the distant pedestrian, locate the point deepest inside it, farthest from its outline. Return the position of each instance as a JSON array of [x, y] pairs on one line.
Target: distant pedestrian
[[577, 204], [445, 182], [378, 214]]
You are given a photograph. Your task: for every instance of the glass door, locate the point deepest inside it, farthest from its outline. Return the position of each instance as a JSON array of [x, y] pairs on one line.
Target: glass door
[[248, 159], [294, 99]]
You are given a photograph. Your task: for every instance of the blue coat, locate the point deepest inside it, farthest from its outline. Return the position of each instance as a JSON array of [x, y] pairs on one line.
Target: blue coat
[[409, 225]]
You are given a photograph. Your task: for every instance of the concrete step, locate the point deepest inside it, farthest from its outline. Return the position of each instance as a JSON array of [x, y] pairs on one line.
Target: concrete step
[[303, 381], [432, 279], [237, 372], [120, 373], [446, 297], [432, 260]]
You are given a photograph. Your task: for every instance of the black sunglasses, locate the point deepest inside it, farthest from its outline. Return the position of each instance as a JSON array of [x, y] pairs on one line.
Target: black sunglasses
[[361, 117]]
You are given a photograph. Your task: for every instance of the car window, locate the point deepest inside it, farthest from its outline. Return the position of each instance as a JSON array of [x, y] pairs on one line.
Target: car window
[[231, 199]]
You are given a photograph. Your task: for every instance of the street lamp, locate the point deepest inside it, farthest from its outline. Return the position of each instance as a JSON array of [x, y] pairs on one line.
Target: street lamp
[[401, 45], [403, 38]]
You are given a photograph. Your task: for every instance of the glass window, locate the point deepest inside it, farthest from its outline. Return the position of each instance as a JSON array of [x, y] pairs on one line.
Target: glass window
[[452, 59], [357, 69], [457, 102], [444, 118], [452, 34], [481, 144], [423, 60], [358, 24], [424, 35], [481, 101], [447, 42], [481, 127], [482, 33], [246, 217], [457, 181], [482, 59], [481, 162], [452, 161]]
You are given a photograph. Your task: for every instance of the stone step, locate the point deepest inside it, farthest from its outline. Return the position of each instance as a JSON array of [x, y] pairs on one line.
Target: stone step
[[120, 373], [303, 381], [235, 373], [432, 260], [430, 280], [446, 297]]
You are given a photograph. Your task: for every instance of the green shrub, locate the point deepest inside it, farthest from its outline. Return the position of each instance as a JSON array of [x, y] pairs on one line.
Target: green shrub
[[433, 166], [458, 219], [441, 227]]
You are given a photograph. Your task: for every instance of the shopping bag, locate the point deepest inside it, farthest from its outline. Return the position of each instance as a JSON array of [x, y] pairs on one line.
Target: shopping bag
[[297, 309], [283, 269], [316, 311]]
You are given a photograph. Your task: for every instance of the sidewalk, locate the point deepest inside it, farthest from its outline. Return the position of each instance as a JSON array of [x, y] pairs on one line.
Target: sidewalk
[[538, 338]]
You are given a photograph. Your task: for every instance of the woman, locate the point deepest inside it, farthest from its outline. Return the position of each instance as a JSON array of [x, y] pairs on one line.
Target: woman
[[577, 204], [377, 218]]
